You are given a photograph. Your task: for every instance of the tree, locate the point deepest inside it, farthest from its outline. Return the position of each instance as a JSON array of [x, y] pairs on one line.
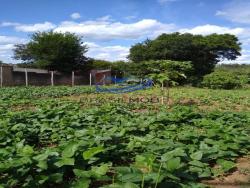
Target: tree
[[54, 51], [173, 71], [118, 68], [203, 51]]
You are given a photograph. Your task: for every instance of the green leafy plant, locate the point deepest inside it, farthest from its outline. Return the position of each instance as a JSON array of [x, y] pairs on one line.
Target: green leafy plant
[[224, 80]]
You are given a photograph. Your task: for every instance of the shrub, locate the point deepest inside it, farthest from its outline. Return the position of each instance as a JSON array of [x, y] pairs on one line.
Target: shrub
[[176, 71], [224, 80]]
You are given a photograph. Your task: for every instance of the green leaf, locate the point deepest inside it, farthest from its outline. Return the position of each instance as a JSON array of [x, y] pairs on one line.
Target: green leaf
[[43, 179], [178, 152], [169, 175], [82, 173], [197, 155], [133, 177], [65, 161], [101, 170], [92, 151], [122, 185], [70, 150], [42, 164], [81, 183], [56, 177], [27, 151], [206, 173], [226, 165], [197, 163], [144, 162], [173, 164]]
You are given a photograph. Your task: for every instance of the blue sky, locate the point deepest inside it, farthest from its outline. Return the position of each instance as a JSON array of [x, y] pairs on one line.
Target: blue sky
[[110, 27]]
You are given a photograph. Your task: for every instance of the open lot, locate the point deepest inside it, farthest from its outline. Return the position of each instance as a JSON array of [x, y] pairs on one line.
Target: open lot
[[74, 137]]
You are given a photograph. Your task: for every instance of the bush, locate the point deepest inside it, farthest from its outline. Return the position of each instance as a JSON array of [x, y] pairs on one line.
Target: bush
[[224, 80]]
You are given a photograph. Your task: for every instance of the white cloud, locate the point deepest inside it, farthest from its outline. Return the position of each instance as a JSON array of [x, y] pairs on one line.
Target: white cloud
[[6, 46], [105, 29], [11, 40], [8, 24], [110, 53], [35, 27], [209, 29], [236, 11], [6, 53], [108, 30], [166, 1], [30, 27], [75, 15]]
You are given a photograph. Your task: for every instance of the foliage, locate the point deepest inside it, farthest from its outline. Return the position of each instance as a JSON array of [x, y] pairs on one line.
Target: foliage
[[55, 51], [62, 144], [99, 64], [240, 69], [118, 68], [203, 51], [163, 70], [121, 68], [224, 80]]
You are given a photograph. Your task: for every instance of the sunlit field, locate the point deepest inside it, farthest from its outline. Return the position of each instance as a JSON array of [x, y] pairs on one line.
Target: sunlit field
[[73, 136]]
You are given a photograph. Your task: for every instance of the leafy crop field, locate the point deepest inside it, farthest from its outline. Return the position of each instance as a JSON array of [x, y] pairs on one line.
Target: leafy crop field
[[58, 137]]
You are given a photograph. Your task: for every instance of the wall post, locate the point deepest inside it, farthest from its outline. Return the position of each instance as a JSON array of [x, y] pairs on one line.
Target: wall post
[[73, 78], [26, 78], [1, 76], [104, 78], [52, 78], [90, 79]]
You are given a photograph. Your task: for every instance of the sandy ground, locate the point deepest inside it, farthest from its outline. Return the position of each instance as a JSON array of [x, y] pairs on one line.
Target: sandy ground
[[238, 179]]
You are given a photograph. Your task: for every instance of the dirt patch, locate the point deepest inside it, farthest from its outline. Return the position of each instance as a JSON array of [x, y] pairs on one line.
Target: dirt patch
[[23, 107], [188, 102], [238, 179]]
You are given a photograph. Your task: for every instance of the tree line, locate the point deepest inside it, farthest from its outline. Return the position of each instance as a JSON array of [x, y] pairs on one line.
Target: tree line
[[191, 55]]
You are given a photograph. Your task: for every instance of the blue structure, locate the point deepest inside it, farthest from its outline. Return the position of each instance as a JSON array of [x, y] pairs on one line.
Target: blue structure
[[147, 83]]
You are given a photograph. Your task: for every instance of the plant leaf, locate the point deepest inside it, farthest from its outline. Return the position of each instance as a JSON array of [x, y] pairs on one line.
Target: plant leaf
[[91, 152], [197, 155]]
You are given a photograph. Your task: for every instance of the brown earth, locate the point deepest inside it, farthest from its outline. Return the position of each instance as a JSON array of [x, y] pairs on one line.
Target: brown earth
[[238, 179]]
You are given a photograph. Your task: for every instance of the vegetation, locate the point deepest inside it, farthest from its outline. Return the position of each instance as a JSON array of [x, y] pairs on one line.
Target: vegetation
[[203, 51], [54, 51], [48, 140], [239, 69], [74, 137], [224, 80], [173, 71], [118, 68]]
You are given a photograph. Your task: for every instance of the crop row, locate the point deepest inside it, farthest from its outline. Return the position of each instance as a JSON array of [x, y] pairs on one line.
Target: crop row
[[62, 144]]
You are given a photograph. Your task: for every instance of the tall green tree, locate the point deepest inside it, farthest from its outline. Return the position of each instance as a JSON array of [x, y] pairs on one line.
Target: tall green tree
[[203, 51], [54, 51]]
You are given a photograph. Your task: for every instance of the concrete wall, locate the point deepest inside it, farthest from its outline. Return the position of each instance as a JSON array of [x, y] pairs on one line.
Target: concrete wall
[[17, 78]]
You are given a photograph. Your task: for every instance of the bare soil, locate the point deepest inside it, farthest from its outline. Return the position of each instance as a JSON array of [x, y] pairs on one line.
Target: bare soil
[[237, 179]]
